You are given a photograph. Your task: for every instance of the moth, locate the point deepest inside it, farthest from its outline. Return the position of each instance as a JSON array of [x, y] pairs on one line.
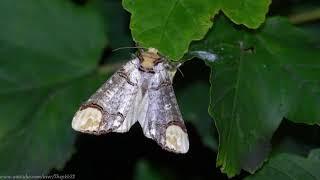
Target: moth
[[141, 90]]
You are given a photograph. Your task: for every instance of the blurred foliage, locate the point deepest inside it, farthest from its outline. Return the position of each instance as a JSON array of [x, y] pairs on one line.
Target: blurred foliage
[[55, 53], [118, 33], [49, 52]]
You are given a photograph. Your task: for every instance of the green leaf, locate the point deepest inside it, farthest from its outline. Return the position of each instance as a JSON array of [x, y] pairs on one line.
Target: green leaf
[[198, 115], [170, 25], [257, 78], [247, 12], [48, 56], [118, 32], [116, 19], [290, 167]]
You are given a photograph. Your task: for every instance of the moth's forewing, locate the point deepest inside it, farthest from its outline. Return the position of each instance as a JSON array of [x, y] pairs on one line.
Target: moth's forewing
[[163, 121], [110, 108]]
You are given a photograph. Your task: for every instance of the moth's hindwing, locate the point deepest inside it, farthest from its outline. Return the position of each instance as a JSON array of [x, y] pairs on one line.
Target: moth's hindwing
[[110, 108], [162, 120]]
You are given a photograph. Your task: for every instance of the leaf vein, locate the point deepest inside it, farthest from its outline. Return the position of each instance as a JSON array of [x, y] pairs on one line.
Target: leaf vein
[[167, 21]]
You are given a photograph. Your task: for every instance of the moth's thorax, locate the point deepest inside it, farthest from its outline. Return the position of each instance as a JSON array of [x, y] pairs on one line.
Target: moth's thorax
[[155, 78], [149, 59]]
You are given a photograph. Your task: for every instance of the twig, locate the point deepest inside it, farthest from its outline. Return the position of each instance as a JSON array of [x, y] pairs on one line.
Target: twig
[[109, 68], [305, 16]]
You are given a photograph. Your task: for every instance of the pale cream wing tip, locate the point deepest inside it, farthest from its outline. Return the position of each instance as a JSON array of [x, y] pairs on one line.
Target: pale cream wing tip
[[87, 119], [176, 139]]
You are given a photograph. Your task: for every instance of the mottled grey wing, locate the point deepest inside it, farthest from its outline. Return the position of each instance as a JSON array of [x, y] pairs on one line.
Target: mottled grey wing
[[162, 120], [111, 107]]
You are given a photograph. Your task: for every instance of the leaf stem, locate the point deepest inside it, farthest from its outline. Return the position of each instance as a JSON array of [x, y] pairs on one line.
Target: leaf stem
[[305, 16]]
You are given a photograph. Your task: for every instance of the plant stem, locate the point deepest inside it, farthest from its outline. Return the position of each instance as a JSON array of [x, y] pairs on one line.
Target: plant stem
[[305, 16]]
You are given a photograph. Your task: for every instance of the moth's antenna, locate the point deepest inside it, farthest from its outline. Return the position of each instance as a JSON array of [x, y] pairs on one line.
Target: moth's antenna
[[180, 71], [177, 66], [128, 47]]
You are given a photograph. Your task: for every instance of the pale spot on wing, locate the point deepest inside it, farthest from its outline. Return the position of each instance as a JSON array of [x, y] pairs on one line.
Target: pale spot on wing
[[87, 119], [153, 132], [116, 123], [167, 106], [177, 139]]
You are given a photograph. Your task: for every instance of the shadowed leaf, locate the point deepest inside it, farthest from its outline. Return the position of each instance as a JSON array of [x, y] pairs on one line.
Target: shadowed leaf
[[48, 52], [290, 167], [257, 78], [193, 102]]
